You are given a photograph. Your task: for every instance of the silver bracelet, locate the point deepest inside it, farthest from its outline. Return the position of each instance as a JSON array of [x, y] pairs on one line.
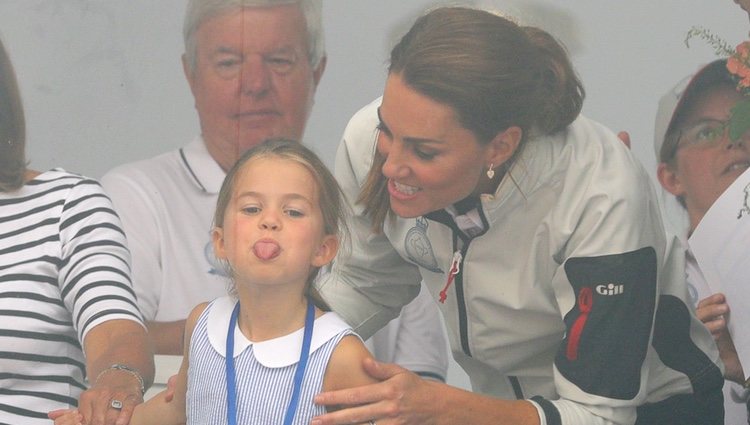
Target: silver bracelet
[[124, 368]]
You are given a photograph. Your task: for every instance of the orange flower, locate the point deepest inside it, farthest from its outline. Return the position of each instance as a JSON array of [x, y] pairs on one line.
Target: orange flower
[[737, 68], [734, 65], [743, 50], [737, 65], [738, 58]]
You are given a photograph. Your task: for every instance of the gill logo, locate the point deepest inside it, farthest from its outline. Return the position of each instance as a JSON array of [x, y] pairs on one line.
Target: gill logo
[[610, 289]]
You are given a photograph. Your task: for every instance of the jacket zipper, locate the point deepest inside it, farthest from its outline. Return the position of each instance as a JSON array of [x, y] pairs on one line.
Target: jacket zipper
[[455, 269], [455, 278], [455, 275]]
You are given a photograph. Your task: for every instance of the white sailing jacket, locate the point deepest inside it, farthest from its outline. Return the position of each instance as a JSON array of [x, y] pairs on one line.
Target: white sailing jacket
[[556, 300]]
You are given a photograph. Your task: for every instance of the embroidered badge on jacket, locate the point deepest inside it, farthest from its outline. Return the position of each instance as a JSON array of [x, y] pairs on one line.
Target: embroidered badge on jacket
[[419, 248]]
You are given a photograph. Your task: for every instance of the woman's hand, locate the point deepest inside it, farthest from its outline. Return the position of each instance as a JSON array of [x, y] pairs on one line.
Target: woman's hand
[[120, 365], [713, 311], [401, 397], [110, 401], [113, 389]]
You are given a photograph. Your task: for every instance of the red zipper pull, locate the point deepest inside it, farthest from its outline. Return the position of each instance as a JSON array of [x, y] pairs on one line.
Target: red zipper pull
[[455, 268], [585, 304]]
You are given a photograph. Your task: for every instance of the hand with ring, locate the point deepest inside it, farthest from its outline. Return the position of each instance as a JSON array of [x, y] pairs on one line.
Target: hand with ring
[[74, 416], [111, 399]]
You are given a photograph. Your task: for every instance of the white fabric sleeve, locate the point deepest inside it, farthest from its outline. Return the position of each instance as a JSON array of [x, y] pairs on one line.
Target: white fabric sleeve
[[631, 341], [540, 412], [136, 204], [571, 413], [415, 340], [614, 242], [368, 285]]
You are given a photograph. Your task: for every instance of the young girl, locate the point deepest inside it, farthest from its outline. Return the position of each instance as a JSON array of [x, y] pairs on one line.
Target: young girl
[[276, 223]]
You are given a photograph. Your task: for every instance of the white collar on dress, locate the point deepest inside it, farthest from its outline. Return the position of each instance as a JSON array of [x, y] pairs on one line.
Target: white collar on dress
[[278, 352]]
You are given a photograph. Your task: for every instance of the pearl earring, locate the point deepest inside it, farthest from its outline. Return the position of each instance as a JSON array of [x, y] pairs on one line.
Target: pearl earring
[[491, 172]]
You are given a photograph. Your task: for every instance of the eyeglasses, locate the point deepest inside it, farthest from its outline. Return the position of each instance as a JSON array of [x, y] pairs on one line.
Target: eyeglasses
[[708, 133]]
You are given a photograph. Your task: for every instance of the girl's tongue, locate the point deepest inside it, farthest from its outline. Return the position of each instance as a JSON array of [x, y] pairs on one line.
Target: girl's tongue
[[266, 250]]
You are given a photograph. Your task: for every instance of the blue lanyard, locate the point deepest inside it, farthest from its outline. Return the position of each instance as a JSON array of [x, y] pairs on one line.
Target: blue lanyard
[[299, 373]]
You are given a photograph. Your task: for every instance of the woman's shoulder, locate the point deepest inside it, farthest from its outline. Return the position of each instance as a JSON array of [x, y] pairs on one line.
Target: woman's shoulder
[[585, 132], [606, 159], [582, 164], [70, 188], [364, 121], [61, 176], [358, 141], [586, 151]]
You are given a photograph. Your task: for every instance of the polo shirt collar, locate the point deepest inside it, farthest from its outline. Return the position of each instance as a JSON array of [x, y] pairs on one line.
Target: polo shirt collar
[[206, 173]]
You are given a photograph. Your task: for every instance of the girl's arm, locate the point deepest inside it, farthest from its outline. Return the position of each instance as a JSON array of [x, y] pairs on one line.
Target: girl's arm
[[345, 369], [157, 410], [353, 379]]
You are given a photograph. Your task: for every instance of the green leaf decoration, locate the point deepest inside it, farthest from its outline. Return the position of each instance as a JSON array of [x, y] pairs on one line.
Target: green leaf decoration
[[739, 122], [720, 46]]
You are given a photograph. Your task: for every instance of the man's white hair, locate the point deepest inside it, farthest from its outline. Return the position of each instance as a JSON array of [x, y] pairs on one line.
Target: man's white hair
[[199, 10]]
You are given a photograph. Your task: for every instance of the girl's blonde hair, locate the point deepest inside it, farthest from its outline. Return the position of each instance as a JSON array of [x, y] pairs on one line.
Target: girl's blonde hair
[[330, 197]]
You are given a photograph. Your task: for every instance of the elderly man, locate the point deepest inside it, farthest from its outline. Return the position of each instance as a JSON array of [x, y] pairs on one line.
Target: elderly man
[[252, 73], [253, 67]]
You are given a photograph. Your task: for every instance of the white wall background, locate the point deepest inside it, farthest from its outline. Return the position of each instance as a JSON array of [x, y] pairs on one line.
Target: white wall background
[[103, 84], [102, 80]]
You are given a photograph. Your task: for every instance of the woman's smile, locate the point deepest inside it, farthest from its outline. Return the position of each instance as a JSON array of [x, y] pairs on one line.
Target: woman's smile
[[400, 190]]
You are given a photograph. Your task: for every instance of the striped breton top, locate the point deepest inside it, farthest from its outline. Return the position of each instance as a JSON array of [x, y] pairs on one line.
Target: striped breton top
[[64, 268], [264, 371]]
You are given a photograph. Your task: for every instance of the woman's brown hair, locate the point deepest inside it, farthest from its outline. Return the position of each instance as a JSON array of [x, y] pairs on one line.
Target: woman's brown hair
[[494, 73], [12, 128]]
